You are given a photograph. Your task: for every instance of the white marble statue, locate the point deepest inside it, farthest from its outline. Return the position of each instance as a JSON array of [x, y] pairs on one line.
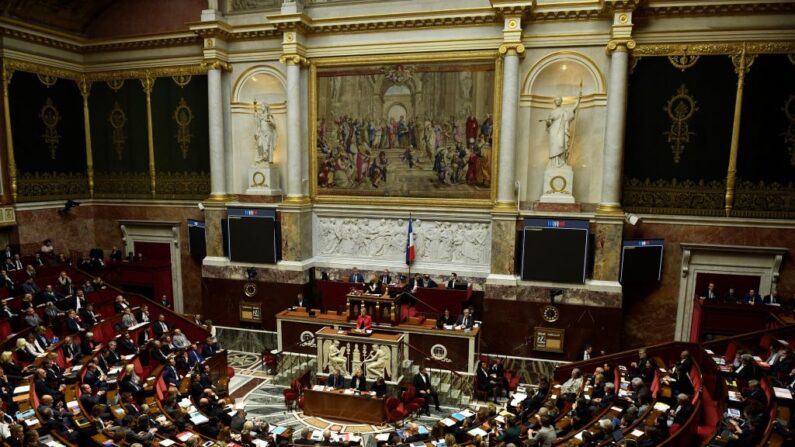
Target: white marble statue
[[558, 124], [378, 362], [336, 358], [265, 135]]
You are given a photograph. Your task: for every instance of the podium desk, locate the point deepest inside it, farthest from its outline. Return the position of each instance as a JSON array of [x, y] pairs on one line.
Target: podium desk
[[348, 407], [382, 308]]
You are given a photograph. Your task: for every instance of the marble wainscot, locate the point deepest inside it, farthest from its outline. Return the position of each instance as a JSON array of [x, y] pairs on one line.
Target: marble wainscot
[[585, 295], [246, 340], [264, 274]]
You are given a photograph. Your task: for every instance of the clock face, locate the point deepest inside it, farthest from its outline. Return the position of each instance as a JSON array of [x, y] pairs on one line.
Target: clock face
[[550, 313], [250, 289]]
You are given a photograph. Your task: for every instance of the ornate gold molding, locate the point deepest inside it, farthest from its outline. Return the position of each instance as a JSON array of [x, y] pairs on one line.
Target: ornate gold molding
[[715, 48], [511, 48], [694, 9], [621, 45], [183, 185], [34, 187], [216, 64], [114, 75], [122, 185], [294, 59]]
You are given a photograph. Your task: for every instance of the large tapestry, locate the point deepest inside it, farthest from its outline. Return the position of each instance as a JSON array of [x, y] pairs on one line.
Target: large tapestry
[[413, 130]]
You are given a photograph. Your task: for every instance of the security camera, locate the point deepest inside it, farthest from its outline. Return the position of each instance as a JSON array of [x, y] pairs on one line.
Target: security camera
[[631, 219], [201, 206]]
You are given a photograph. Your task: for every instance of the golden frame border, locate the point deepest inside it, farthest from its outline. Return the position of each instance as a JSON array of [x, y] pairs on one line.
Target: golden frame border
[[349, 61]]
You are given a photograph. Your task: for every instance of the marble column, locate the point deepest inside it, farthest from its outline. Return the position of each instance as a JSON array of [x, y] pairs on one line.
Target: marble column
[[216, 124], [615, 124], [295, 163], [506, 197]]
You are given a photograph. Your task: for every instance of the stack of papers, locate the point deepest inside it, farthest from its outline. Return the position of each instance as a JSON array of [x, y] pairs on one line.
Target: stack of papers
[[637, 433], [317, 435], [184, 436], [467, 413], [383, 437], [735, 396], [782, 393], [661, 406], [477, 432], [448, 422], [22, 389], [166, 442]]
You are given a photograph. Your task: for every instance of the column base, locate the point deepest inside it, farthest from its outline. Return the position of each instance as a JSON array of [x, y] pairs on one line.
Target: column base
[[220, 197], [297, 200], [505, 207], [609, 208]]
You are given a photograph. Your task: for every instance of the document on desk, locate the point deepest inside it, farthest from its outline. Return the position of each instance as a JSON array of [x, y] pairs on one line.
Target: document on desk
[[782, 393], [477, 432]]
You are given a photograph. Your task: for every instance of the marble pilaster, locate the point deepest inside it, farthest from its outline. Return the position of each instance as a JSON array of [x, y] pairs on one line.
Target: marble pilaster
[[264, 274], [577, 296], [296, 234], [607, 255], [503, 245], [212, 229]]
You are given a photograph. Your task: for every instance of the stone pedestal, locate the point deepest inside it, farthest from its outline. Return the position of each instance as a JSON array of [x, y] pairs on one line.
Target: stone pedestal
[[558, 185], [264, 180]]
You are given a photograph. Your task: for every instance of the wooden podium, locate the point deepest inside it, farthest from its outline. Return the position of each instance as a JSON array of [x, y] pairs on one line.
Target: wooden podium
[[382, 308]]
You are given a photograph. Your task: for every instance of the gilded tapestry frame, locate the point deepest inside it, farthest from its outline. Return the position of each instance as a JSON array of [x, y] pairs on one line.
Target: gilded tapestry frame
[[352, 61]]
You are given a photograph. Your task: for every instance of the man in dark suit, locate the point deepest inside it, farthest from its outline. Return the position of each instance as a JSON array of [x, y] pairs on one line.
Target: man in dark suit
[[7, 282], [30, 286], [160, 327], [170, 374], [43, 388], [87, 399], [683, 409], [454, 281], [300, 301], [127, 344], [422, 383], [416, 283], [70, 349], [385, 279], [88, 344], [429, 283], [772, 298], [50, 295], [754, 393], [116, 254], [752, 297], [356, 276], [464, 320], [710, 293], [336, 380], [731, 296], [94, 377], [445, 320], [358, 382], [379, 386], [73, 325], [88, 316], [158, 353]]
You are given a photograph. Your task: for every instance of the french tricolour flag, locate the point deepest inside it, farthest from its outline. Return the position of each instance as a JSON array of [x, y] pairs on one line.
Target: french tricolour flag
[[410, 245]]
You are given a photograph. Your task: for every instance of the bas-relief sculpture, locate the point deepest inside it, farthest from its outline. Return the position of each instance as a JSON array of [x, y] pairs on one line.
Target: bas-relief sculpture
[[458, 243], [374, 359], [405, 130]]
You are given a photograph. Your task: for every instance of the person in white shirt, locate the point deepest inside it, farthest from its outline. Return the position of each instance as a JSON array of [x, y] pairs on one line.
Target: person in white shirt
[[574, 384]]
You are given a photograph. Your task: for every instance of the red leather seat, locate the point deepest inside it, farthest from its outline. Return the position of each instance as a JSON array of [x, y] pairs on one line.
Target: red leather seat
[[410, 401], [395, 411]]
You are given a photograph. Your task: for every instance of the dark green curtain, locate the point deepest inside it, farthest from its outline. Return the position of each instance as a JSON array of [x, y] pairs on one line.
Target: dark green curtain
[[654, 180], [765, 165], [27, 98], [51, 160], [178, 148], [123, 148]]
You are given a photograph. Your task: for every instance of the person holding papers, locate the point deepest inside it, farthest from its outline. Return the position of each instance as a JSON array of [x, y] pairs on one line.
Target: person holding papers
[[365, 321], [465, 320]]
